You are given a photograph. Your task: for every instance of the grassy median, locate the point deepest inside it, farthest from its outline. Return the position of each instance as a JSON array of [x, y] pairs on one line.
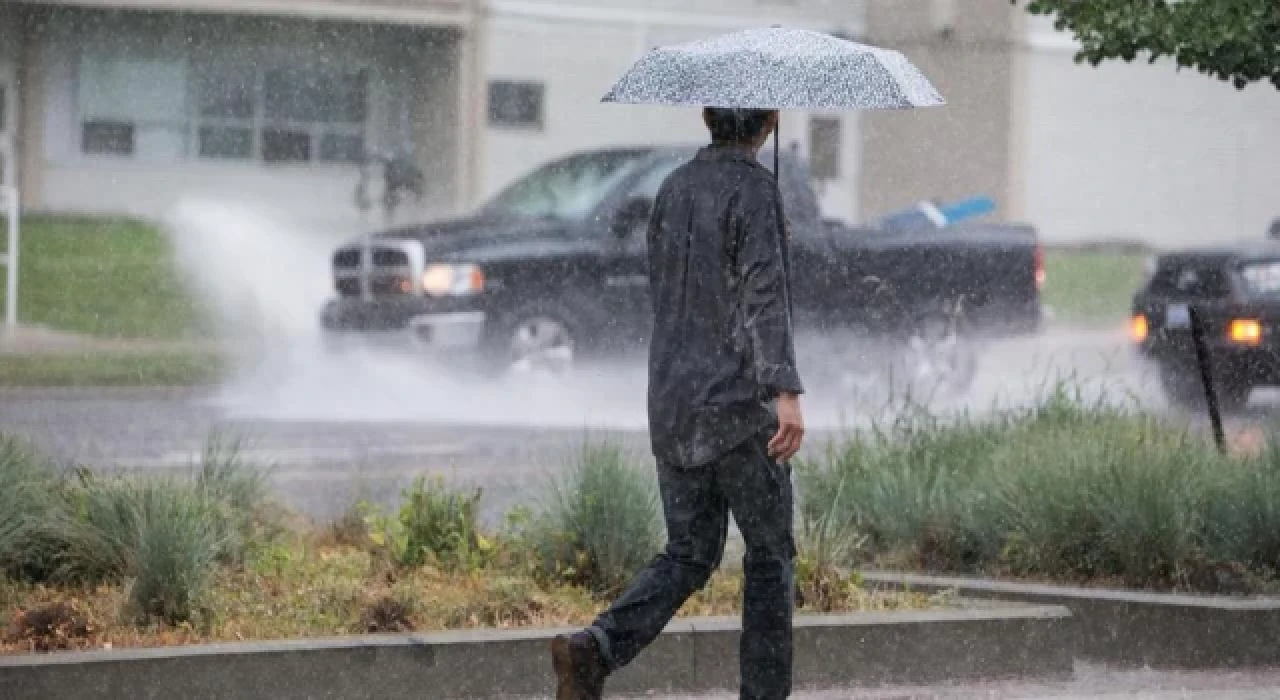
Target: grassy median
[[89, 561], [169, 368], [1091, 287], [107, 278], [114, 282]]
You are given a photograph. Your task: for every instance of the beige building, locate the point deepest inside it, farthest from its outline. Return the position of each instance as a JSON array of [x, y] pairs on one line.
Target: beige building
[[126, 106], [119, 109], [567, 54]]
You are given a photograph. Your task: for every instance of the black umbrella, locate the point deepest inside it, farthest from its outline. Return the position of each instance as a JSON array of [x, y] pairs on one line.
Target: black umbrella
[[776, 68]]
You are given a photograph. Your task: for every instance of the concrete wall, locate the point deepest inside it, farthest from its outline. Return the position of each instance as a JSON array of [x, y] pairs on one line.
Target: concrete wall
[[957, 150], [1145, 152], [412, 104]]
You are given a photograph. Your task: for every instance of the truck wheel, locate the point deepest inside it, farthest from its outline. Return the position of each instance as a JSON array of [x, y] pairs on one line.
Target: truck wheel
[[540, 338], [938, 359], [1183, 388]]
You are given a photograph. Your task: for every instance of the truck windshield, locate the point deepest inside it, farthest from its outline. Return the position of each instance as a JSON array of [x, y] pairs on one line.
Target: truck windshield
[[570, 188]]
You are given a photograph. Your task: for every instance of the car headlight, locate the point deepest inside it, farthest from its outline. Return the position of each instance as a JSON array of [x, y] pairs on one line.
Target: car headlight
[[444, 280]]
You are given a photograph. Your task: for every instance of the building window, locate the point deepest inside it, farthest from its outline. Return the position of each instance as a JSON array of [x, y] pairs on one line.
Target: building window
[[314, 114], [133, 107], [222, 111], [516, 104], [225, 111], [100, 137], [824, 148]]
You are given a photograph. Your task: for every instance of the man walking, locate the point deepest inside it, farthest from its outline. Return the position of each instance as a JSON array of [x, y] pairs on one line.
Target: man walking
[[724, 412]]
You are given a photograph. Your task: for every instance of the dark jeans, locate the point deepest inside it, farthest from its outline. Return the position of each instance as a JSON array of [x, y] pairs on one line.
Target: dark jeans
[[697, 502]]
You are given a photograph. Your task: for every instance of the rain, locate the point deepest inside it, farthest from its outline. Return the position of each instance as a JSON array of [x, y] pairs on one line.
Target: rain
[[457, 334]]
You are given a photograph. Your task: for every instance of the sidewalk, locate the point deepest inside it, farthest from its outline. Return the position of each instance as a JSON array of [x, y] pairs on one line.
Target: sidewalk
[[1090, 683]]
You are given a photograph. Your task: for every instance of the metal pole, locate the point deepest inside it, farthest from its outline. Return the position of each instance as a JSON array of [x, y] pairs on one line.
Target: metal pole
[[1206, 378], [11, 261], [777, 151]]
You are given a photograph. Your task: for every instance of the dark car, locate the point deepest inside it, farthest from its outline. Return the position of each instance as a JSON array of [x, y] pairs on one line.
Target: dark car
[[1235, 289], [553, 268]]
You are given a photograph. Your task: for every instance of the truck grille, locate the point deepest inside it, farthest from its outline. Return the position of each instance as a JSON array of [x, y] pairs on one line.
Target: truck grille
[[391, 271], [348, 287], [349, 259], [346, 259]]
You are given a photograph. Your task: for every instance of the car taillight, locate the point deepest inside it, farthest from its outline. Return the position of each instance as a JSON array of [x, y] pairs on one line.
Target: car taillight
[[1245, 331], [1139, 328], [1040, 274]]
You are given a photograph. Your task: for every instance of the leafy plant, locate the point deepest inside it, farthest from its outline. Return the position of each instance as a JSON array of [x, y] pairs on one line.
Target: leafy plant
[[435, 525]]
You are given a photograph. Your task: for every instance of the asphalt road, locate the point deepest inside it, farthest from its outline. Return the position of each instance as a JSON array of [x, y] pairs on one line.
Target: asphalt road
[[332, 430]]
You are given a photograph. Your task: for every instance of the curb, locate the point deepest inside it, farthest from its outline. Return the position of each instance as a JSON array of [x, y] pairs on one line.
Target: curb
[[1135, 628], [692, 656]]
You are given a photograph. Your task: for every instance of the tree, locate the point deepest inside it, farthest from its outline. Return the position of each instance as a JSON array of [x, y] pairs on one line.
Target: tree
[[1232, 40]]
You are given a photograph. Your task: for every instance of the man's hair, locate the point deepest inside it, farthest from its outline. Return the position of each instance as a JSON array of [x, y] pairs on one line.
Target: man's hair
[[736, 125]]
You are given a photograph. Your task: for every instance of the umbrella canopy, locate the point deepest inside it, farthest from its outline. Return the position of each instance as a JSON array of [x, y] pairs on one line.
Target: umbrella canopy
[[776, 68]]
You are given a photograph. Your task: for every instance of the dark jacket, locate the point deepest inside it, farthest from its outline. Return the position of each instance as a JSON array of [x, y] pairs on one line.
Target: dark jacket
[[722, 344]]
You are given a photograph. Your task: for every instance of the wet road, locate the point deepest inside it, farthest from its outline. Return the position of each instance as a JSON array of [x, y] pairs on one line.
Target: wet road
[[336, 429]]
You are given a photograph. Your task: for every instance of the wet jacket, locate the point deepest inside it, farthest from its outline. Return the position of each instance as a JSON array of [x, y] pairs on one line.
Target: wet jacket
[[722, 345]]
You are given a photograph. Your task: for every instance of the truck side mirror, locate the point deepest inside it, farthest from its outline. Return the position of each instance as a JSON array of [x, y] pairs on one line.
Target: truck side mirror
[[633, 212]]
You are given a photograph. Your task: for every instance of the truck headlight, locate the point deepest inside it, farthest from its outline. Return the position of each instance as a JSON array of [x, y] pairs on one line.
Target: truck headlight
[[444, 280]]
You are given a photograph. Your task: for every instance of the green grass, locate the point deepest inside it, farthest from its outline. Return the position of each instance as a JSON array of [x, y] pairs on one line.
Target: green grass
[[1091, 287], [113, 369], [104, 277]]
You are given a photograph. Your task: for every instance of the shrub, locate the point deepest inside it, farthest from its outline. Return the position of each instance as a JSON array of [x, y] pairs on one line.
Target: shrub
[[600, 523], [435, 525]]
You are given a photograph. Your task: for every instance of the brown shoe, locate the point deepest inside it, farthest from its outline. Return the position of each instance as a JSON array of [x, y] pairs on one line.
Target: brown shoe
[[580, 671]]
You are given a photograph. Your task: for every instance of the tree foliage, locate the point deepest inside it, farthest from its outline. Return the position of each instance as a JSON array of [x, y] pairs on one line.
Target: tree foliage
[[1233, 40]]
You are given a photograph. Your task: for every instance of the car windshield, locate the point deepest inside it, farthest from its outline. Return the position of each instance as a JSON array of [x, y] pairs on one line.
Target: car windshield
[[570, 188]]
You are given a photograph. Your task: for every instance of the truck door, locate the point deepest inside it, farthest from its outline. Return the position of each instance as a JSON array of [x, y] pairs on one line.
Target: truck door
[[626, 261]]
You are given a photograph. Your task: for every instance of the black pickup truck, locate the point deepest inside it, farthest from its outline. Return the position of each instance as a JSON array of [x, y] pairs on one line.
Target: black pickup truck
[[1235, 288], [553, 269]]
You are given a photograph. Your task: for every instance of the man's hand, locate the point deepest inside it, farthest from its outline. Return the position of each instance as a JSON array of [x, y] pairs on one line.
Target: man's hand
[[786, 443]]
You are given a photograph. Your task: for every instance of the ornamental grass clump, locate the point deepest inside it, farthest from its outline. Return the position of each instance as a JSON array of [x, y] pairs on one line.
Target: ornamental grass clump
[[600, 522], [28, 485], [1067, 490]]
